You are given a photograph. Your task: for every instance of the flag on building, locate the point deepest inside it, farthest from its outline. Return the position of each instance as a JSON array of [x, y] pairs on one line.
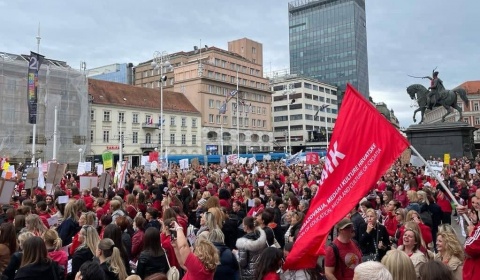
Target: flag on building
[[323, 107], [34, 64], [223, 108], [357, 157], [231, 95]]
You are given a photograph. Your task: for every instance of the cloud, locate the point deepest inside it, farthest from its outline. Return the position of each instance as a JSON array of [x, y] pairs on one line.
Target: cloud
[[404, 37]]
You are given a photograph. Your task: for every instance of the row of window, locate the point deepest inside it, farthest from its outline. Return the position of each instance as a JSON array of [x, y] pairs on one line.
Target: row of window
[[148, 138], [237, 67], [241, 121], [216, 104], [148, 118], [245, 95], [300, 117], [233, 80]]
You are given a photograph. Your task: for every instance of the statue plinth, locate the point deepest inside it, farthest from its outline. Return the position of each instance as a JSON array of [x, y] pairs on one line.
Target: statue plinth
[[437, 139]]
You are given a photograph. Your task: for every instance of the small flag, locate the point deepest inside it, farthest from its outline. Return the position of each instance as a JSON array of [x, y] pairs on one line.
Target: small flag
[[293, 159], [223, 109], [321, 109]]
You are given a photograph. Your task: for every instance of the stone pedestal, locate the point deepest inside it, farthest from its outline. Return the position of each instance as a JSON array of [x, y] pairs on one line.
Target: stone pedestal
[[437, 139]]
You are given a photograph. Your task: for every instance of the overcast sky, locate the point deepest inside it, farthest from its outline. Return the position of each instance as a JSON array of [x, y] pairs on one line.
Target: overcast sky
[[404, 37]]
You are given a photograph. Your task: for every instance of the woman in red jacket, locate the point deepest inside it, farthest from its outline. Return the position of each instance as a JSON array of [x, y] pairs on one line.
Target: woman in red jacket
[[400, 195], [426, 232], [137, 238]]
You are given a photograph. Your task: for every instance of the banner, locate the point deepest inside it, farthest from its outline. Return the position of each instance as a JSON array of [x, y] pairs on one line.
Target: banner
[[446, 159], [107, 158], [363, 146], [295, 159], [32, 89], [153, 156]]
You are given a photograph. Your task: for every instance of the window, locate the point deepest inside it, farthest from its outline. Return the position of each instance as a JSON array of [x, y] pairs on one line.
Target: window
[[92, 136], [121, 117], [184, 139], [254, 50], [259, 123], [135, 117], [210, 118], [264, 124], [219, 104], [253, 122], [159, 138], [148, 118], [253, 109], [172, 139], [475, 106], [211, 103], [194, 139], [234, 121], [217, 117], [135, 137], [106, 136], [106, 116], [264, 111], [246, 121], [240, 121], [172, 121], [194, 122], [148, 138], [225, 120], [92, 114], [184, 122]]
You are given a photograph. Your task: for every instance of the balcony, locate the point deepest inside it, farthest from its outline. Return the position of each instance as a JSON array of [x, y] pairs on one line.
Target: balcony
[[150, 125], [149, 145]]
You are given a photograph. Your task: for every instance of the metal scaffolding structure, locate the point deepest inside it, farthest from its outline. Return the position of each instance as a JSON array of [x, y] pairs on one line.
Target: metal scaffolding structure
[[60, 86]]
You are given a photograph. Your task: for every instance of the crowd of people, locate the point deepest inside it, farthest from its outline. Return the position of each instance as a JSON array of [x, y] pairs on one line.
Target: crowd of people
[[227, 222]]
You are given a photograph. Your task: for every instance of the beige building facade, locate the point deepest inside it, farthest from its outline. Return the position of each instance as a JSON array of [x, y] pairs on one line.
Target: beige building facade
[[207, 77]]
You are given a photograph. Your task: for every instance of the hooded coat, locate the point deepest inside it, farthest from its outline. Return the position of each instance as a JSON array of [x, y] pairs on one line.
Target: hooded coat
[[250, 246]]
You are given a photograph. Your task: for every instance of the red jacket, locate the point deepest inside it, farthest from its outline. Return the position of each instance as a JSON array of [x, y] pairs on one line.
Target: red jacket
[[137, 244], [60, 257], [471, 266], [44, 216], [167, 245], [391, 224], [88, 202], [444, 203]]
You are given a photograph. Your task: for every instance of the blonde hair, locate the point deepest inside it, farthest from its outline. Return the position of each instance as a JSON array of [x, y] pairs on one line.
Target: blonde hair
[[218, 216], [115, 204], [52, 239], [22, 237], [71, 211], [410, 214], [207, 253], [247, 193], [206, 194], [403, 213], [212, 201], [399, 265], [113, 257], [90, 238], [446, 227], [452, 245], [34, 224], [412, 196]]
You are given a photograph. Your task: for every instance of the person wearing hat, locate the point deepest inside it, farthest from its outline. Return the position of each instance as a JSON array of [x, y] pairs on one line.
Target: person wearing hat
[[343, 254]]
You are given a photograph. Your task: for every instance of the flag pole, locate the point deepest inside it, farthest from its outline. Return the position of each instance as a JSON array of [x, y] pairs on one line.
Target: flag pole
[[238, 124], [447, 190]]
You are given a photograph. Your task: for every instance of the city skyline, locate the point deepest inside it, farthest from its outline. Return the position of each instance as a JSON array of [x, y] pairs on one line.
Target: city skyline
[[404, 37]]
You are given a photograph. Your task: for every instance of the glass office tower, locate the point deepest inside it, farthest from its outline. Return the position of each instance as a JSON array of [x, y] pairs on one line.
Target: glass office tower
[[328, 42]]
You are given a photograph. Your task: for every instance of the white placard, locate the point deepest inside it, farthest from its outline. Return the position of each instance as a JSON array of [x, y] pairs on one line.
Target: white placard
[[153, 166], [261, 183], [88, 182], [52, 221], [81, 168], [144, 160], [473, 171], [63, 199], [100, 169], [88, 166], [251, 202], [48, 187]]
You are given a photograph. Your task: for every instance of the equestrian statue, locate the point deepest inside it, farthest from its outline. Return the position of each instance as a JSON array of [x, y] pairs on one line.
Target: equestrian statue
[[435, 96]]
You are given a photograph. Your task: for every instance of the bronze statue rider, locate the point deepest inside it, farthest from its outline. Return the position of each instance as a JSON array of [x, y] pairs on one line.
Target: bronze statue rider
[[436, 86]]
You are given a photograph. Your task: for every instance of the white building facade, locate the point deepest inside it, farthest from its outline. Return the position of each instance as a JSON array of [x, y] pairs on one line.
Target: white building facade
[[313, 112]]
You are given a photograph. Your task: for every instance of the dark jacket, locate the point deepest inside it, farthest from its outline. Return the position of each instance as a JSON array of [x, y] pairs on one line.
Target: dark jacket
[[13, 265], [67, 229], [228, 267], [358, 222], [250, 247], [127, 242], [153, 223], [80, 256], [368, 241], [40, 271], [230, 231], [109, 274], [148, 264]]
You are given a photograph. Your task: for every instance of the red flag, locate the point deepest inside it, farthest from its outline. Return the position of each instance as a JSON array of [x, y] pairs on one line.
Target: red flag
[[312, 158], [363, 145]]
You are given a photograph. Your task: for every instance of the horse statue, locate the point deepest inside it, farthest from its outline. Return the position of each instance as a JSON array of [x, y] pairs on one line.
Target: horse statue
[[446, 98]]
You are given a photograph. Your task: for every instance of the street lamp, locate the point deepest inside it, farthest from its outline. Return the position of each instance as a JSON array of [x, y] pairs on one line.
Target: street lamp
[[80, 154], [161, 61], [287, 92]]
